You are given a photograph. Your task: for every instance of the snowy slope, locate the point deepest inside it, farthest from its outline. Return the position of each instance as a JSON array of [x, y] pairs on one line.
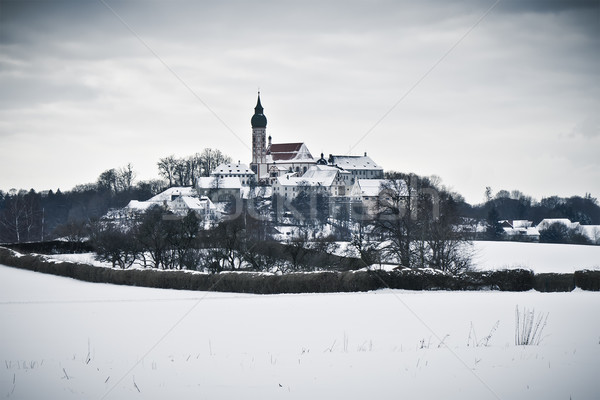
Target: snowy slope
[[63, 339]]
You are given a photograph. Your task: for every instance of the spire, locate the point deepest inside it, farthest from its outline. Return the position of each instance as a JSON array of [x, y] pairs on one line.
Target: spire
[[258, 119], [259, 108]]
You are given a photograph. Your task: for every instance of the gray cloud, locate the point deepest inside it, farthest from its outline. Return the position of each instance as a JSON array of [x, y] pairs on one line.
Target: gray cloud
[[589, 127], [328, 71]]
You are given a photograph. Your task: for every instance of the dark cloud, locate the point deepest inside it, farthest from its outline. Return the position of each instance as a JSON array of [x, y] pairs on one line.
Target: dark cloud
[[547, 6]]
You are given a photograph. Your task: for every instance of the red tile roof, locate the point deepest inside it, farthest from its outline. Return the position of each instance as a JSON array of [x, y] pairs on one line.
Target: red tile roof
[[284, 151]]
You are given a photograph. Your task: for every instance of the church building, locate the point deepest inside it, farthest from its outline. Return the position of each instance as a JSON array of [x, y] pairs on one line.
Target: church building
[[271, 160]]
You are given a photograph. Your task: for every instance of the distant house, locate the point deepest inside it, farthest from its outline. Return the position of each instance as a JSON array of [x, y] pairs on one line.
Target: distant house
[[317, 179], [369, 191], [241, 171], [360, 167], [545, 223], [220, 189], [178, 200], [163, 199], [520, 229], [200, 205]]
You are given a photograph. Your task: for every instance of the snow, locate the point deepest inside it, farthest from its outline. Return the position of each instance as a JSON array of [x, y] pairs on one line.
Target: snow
[[173, 192], [539, 257], [67, 339], [233, 169], [80, 258]]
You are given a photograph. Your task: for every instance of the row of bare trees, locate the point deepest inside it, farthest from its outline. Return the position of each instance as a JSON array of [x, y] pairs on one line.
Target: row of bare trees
[[413, 224], [158, 239], [185, 171], [21, 216]]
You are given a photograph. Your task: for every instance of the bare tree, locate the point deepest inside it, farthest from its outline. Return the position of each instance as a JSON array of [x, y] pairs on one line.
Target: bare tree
[[109, 180], [114, 243], [395, 220], [364, 244], [449, 249], [297, 248], [166, 167], [12, 219], [210, 159], [126, 176]]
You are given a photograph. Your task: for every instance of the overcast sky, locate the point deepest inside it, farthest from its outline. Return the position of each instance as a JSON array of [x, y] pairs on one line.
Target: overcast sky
[[506, 96]]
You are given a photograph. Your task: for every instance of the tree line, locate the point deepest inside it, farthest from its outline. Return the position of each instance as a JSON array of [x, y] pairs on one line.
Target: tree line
[[185, 171], [157, 238], [27, 216], [515, 205]]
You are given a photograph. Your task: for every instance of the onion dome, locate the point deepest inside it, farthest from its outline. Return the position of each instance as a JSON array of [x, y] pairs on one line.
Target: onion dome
[[258, 119]]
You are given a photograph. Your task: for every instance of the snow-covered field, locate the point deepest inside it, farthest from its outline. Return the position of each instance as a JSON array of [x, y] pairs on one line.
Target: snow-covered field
[[539, 257], [64, 339]]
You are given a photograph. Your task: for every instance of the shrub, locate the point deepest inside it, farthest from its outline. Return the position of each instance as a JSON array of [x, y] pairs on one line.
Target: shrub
[[550, 282], [528, 327], [512, 280], [587, 280]]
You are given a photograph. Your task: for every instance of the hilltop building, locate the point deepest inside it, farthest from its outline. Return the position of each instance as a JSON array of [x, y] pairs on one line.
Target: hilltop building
[[271, 160], [287, 166], [241, 171]]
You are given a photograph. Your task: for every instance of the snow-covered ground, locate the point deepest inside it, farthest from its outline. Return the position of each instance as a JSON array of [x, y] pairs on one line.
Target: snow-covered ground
[[539, 257], [64, 339]]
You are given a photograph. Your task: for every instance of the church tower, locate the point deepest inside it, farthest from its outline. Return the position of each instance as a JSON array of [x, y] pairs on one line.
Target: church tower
[[259, 141]]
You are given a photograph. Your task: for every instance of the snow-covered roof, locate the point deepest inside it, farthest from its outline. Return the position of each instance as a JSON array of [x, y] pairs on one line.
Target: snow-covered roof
[[527, 231], [195, 203], [302, 181], [232, 169], [137, 205], [517, 223], [288, 152], [168, 194], [545, 223], [317, 175], [354, 162], [211, 182], [324, 174]]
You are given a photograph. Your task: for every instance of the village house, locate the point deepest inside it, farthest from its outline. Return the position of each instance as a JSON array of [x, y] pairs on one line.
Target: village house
[[520, 229], [317, 179], [360, 167], [178, 200], [368, 192], [231, 170], [219, 189]]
